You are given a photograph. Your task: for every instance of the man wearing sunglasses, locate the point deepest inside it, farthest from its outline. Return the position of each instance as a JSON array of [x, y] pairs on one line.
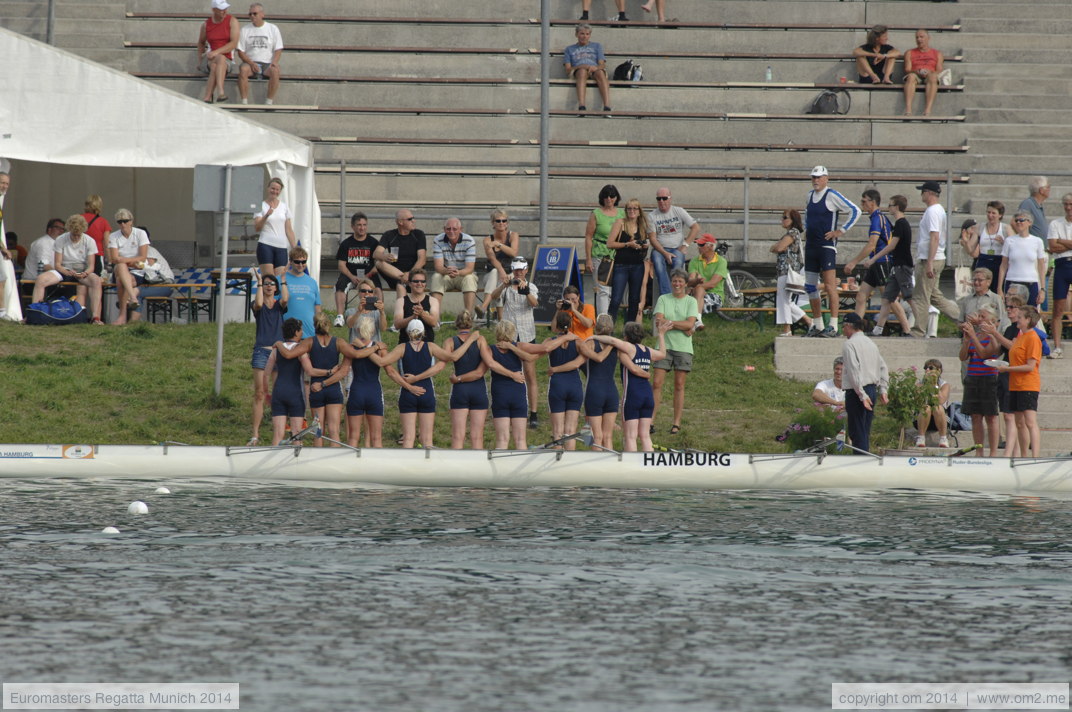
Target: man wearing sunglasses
[[304, 302], [400, 252], [669, 241]]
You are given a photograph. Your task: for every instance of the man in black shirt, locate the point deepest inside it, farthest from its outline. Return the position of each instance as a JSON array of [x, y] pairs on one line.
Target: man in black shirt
[[355, 262], [400, 251], [899, 282]]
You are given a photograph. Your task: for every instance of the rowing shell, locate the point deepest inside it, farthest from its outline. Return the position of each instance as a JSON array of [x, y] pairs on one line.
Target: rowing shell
[[375, 467]]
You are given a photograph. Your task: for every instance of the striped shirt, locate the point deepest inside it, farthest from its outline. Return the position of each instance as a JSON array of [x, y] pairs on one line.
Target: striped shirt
[[976, 367], [456, 256]]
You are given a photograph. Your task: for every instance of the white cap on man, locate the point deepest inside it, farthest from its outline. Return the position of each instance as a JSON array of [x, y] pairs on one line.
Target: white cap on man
[[519, 263], [415, 328], [220, 4], [819, 171]]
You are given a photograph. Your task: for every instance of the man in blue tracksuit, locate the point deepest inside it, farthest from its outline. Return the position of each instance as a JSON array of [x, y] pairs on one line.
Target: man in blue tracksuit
[[829, 215]]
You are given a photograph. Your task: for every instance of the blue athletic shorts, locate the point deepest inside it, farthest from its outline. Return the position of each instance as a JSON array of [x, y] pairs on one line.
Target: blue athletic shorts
[[277, 256]]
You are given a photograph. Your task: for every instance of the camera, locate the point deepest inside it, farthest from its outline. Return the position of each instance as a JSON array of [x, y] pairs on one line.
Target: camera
[[370, 303], [560, 304], [515, 281]]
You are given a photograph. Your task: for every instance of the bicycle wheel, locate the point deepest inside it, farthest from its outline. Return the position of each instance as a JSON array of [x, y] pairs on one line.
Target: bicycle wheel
[[741, 280]]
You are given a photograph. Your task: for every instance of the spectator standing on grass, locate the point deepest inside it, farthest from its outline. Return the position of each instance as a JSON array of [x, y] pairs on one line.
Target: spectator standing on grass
[[400, 252], [876, 58], [519, 298], [98, 228], [922, 63], [789, 251], [418, 305], [274, 223], [980, 380], [629, 243], [215, 49], [1039, 189], [269, 305], [582, 316], [1023, 261], [668, 237], [930, 261], [865, 378], [829, 215], [597, 233], [984, 243], [679, 308], [585, 60], [354, 258], [898, 290], [878, 237], [304, 294], [1059, 241], [259, 47]]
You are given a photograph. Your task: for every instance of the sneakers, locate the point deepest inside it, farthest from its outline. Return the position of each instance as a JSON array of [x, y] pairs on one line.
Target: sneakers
[[534, 421], [943, 441], [828, 333], [339, 321], [813, 332], [921, 441], [1056, 353], [877, 331]]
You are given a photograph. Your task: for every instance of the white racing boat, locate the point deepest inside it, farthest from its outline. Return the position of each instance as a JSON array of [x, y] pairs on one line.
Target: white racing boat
[[295, 464]]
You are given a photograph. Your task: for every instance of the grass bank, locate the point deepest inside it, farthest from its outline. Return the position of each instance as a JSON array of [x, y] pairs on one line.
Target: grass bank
[[148, 383]]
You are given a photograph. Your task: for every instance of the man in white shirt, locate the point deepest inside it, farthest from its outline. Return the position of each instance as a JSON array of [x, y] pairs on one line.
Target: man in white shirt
[[831, 392], [1059, 242], [670, 243], [259, 46], [42, 250], [866, 379], [930, 260]]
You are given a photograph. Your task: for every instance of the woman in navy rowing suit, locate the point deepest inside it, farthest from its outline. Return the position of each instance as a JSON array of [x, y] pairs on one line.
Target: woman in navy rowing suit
[[564, 389], [600, 391], [363, 359], [420, 360], [468, 390], [509, 396], [288, 394], [636, 360], [325, 401]]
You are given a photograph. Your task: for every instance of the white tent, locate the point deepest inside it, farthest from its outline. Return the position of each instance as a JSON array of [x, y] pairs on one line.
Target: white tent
[[59, 108]]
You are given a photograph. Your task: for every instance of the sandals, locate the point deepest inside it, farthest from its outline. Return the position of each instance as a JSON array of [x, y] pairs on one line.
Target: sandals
[[675, 429], [253, 442]]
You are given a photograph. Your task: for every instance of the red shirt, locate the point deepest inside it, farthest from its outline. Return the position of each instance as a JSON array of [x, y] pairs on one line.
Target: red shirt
[[99, 230], [924, 59], [218, 34]]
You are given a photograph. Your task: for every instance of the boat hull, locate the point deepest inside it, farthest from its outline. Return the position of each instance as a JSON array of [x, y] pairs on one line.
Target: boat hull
[[371, 467]]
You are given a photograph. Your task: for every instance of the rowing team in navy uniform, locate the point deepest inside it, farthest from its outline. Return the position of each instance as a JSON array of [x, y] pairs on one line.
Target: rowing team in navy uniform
[[413, 364]]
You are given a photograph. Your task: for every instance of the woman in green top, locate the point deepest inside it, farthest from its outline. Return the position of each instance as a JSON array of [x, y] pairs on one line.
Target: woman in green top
[[596, 232], [679, 308]]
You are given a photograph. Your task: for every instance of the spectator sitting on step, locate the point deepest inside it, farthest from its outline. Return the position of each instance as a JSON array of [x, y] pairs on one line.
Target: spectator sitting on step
[[707, 277], [259, 46], [586, 6], [354, 258], [922, 64], [932, 376], [401, 251], [876, 57], [830, 392], [454, 260], [500, 247], [585, 60], [215, 49]]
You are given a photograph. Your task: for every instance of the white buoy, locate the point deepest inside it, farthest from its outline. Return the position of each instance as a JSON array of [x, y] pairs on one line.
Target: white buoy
[[109, 530], [138, 507], [161, 490]]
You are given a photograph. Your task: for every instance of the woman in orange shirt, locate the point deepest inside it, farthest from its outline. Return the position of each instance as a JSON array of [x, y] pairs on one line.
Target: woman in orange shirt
[[1025, 382]]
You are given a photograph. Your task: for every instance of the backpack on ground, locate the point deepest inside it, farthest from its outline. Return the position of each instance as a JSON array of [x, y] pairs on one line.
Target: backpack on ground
[[830, 102], [958, 420], [56, 313], [628, 71]]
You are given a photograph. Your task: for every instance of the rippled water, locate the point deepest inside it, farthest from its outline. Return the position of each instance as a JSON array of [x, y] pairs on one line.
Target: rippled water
[[530, 599]]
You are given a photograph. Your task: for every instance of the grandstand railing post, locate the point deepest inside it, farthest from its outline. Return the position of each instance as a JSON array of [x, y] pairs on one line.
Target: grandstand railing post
[[342, 200], [545, 116], [744, 239]]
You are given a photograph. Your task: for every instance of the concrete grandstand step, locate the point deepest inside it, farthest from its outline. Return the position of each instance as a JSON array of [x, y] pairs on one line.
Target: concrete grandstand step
[[1059, 99], [1020, 115]]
